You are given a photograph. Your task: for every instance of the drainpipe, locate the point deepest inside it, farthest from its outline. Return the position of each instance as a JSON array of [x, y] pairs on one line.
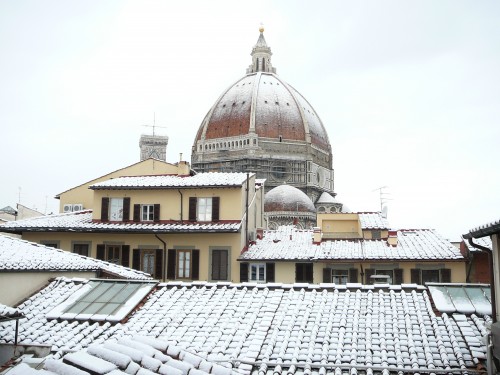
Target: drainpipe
[[182, 199], [490, 261], [246, 211], [164, 257]]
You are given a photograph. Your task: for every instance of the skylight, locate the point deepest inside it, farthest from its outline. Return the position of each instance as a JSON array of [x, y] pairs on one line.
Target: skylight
[[103, 300]]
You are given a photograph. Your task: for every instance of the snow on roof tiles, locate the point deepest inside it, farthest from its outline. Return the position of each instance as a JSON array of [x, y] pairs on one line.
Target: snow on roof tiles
[[288, 243], [81, 221], [373, 220], [20, 255], [7, 312], [276, 324], [212, 179]]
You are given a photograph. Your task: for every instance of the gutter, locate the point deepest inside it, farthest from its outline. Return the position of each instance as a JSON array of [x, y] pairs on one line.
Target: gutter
[[490, 261]]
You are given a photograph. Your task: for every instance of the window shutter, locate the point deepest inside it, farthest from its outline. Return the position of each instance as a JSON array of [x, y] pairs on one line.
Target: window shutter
[[353, 275], [224, 264], [243, 272], [398, 276], [309, 273], [369, 273], [327, 275], [270, 272], [137, 212], [216, 264], [415, 276], [125, 255], [445, 275], [159, 264], [192, 208], [136, 259], [215, 208], [156, 213], [126, 209], [101, 252], [105, 209], [171, 264], [195, 264]]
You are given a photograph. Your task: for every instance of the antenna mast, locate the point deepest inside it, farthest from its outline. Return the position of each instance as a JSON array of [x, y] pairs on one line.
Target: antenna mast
[[154, 124], [383, 196]]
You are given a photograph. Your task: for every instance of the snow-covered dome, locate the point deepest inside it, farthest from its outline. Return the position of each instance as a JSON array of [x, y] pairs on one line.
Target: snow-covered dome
[[286, 198], [263, 125]]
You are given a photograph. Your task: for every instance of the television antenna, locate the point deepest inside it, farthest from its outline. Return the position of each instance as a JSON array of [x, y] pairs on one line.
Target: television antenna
[[383, 196], [154, 126]]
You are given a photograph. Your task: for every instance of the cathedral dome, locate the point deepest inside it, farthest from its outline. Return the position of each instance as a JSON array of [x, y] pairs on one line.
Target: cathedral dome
[[286, 198], [263, 104], [261, 124]]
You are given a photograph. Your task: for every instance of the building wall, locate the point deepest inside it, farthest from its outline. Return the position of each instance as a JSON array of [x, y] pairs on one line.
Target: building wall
[[17, 286], [205, 242], [285, 271], [82, 194], [495, 239]]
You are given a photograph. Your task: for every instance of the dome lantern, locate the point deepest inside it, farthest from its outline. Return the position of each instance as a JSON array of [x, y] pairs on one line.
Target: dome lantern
[[261, 56]]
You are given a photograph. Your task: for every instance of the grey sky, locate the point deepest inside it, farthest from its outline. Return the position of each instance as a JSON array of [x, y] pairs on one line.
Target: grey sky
[[408, 91]]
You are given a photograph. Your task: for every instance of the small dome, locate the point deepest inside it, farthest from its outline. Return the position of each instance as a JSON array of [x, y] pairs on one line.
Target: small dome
[[287, 198]]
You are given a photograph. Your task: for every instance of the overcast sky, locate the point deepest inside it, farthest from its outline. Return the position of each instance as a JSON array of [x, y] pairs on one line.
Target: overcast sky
[[409, 92]]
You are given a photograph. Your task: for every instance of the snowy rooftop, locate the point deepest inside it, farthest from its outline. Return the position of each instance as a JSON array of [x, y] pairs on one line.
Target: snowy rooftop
[[81, 221], [484, 230], [7, 313], [289, 243], [483, 241], [141, 355], [266, 329], [212, 179], [373, 220], [20, 255]]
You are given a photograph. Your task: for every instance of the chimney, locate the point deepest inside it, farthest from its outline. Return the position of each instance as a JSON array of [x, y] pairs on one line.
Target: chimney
[[392, 240], [260, 233], [317, 235]]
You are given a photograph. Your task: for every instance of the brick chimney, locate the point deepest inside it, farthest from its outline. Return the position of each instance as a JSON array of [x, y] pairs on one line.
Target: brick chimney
[[392, 240], [317, 235]]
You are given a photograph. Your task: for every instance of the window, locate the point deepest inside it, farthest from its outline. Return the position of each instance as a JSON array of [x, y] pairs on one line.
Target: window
[[204, 211], [376, 235], [388, 273], [431, 276], [340, 277], [437, 275], [220, 263], [303, 272], [54, 244], [116, 209], [257, 272], [183, 264], [114, 253], [81, 249], [147, 212], [148, 261], [102, 301]]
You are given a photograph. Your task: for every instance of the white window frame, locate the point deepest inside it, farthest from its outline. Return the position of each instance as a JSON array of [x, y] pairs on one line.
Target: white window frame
[[147, 212], [204, 209], [116, 209], [260, 270]]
